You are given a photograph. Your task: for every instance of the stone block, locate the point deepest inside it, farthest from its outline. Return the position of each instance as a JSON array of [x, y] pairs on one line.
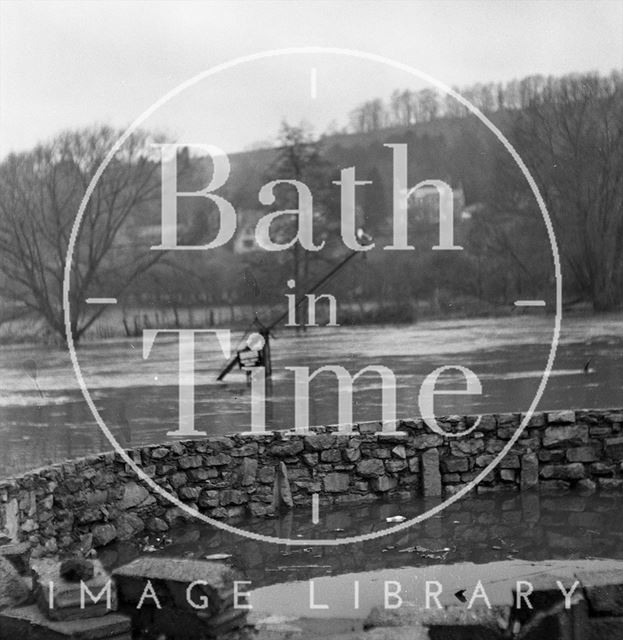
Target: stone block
[[487, 423], [13, 591], [538, 419], [170, 578], [381, 453], [331, 455], [233, 496], [103, 534], [128, 525], [600, 431], [190, 462], [189, 493], [558, 623], [11, 520], [288, 448], [507, 475], [427, 441], [510, 461], [561, 417], [310, 459], [545, 595], [219, 460], [582, 454], [320, 441], [134, 495], [614, 448], [67, 595], [460, 623], [587, 486], [395, 466], [17, 553], [508, 419], [371, 468], [351, 454], [266, 475], [529, 471], [399, 451], [29, 623], [257, 509], [384, 483], [494, 445], [603, 591], [484, 459], [336, 482], [602, 469], [614, 485], [604, 628], [468, 447], [506, 433], [159, 453], [282, 492], [247, 472], [245, 450], [573, 471], [453, 465], [572, 435], [431, 477]]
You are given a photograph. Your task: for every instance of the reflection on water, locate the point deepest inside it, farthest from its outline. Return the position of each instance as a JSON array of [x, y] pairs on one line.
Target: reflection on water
[[46, 419], [480, 529]]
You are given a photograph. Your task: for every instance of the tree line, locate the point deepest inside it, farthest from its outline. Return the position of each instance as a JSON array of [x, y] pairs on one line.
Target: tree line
[[568, 130], [407, 107]]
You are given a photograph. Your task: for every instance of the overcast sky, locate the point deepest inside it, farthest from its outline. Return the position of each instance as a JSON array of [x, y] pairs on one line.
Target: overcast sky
[[66, 64]]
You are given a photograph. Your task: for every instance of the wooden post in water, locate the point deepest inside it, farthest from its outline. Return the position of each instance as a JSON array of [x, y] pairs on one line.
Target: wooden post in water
[[264, 331]]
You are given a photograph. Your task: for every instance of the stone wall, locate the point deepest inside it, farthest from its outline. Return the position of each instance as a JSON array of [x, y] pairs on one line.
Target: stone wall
[[92, 501]]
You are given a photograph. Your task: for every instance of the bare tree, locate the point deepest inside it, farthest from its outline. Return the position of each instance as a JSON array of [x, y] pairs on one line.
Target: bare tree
[[572, 138], [299, 156], [40, 194]]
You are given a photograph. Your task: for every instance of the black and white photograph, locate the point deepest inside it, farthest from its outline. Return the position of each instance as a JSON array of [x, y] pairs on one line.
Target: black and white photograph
[[311, 320]]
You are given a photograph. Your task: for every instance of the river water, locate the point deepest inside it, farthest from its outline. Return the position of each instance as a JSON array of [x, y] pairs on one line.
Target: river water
[[494, 538], [44, 418]]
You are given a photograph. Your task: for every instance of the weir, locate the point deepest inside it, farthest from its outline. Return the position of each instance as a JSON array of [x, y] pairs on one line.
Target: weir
[[90, 502]]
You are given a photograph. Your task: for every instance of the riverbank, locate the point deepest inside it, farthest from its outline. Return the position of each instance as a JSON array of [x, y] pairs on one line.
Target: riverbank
[[130, 322], [46, 420]]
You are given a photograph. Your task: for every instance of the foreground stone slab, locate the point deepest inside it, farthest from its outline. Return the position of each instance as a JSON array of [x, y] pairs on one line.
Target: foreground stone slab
[[13, 590], [381, 633], [28, 623], [558, 623], [606, 627], [174, 606], [67, 598], [459, 623], [17, 553], [603, 591], [546, 595], [172, 576], [451, 623]]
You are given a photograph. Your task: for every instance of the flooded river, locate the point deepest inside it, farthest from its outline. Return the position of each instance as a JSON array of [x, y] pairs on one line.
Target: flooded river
[[494, 538], [44, 418]]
